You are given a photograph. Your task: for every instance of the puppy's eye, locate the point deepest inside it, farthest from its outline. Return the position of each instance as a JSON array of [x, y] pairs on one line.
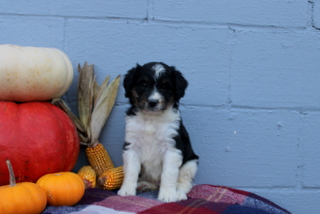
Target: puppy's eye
[[144, 84], [164, 87]]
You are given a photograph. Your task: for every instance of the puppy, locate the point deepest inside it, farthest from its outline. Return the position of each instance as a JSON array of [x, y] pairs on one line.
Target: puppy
[[157, 150]]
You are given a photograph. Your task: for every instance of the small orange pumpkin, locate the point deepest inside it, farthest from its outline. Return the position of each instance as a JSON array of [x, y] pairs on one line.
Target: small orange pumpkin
[[63, 188], [24, 197]]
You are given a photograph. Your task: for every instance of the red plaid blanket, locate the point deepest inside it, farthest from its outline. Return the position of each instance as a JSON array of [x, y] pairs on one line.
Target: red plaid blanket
[[202, 199]]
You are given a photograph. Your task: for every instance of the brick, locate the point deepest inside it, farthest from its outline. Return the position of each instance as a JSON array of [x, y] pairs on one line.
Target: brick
[[32, 31], [275, 69], [259, 13], [243, 148], [310, 148], [201, 54], [82, 8]]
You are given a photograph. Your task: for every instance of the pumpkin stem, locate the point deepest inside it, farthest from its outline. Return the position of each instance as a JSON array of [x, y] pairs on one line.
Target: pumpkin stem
[[11, 174]]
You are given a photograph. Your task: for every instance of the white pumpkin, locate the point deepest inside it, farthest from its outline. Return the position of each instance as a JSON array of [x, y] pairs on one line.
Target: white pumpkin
[[33, 73]]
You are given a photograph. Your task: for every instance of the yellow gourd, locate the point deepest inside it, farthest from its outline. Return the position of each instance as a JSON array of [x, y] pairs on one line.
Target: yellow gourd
[[63, 188], [24, 197], [33, 73]]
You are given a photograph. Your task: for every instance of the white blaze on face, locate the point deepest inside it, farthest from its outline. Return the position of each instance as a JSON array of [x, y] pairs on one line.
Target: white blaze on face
[[155, 95], [155, 101], [158, 68]]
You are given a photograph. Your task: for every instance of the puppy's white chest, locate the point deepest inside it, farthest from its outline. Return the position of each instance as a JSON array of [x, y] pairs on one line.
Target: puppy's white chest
[[151, 137], [149, 128]]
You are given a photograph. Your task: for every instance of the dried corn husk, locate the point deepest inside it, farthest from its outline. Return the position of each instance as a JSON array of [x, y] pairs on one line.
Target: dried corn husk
[[85, 93], [100, 89], [102, 108]]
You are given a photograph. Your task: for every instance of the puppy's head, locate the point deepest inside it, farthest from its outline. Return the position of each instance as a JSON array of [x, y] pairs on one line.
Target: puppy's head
[[153, 87]]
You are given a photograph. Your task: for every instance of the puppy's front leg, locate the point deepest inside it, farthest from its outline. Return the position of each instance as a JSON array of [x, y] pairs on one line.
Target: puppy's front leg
[[131, 170], [170, 174]]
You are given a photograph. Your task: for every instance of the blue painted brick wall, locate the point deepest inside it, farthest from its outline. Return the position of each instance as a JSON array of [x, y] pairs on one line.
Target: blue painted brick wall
[[253, 104]]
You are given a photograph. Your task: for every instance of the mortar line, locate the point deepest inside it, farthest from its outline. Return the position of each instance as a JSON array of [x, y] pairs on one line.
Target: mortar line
[[166, 22], [300, 110], [150, 10], [310, 23]]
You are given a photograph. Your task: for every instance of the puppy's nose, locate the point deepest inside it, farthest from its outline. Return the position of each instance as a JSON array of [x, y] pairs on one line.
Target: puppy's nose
[[152, 103]]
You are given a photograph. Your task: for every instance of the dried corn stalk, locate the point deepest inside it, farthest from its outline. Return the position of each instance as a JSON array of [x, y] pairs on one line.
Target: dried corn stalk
[[95, 103]]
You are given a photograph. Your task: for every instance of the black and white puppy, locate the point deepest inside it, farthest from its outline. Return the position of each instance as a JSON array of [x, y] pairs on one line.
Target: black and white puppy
[[157, 150]]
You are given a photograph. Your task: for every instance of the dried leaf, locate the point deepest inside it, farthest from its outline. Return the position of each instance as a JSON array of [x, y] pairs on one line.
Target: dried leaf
[[85, 92], [83, 133], [101, 89], [103, 108], [96, 90]]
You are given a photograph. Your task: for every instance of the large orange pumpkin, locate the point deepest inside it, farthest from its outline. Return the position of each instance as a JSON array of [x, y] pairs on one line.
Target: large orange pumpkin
[[38, 137]]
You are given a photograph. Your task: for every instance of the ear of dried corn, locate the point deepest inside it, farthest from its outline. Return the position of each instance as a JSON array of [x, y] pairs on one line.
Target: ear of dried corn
[[88, 175], [103, 101], [95, 103], [99, 158], [111, 179]]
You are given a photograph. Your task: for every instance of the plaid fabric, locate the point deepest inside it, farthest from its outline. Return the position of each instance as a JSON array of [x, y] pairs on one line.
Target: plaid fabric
[[202, 199], [219, 200]]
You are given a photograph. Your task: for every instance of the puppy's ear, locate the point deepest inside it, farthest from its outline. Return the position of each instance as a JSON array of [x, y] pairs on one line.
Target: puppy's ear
[[181, 84], [129, 80]]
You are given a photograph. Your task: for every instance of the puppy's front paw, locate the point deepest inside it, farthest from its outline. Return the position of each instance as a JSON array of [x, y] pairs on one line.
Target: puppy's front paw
[[127, 191], [168, 195], [182, 195]]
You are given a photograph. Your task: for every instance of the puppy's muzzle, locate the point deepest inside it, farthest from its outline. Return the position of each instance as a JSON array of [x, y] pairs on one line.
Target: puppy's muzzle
[[152, 103]]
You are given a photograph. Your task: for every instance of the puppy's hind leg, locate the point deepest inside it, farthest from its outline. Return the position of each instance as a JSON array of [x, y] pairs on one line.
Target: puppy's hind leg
[[186, 175], [145, 186]]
